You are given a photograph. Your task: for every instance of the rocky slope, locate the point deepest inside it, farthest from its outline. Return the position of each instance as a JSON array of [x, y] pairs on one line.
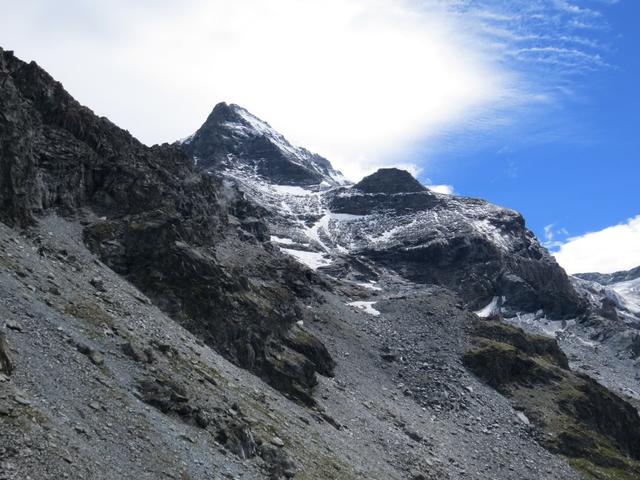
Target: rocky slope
[[160, 319], [595, 428]]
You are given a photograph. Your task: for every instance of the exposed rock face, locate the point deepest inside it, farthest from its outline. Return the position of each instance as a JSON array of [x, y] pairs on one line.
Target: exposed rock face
[[389, 180], [167, 225], [531, 345], [232, 138], [353, 202]]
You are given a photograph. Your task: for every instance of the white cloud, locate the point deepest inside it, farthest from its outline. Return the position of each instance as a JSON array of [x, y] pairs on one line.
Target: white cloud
[[362, 82], [609, 250], [446, 189], [355, 80]]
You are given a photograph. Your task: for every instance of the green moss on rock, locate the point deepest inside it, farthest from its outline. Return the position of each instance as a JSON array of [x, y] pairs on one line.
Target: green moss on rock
[[596, 430]]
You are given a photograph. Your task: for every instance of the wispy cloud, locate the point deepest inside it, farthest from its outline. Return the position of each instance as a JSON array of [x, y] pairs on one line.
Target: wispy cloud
[[609, 250], [548, 50], [552, 236], [543, 31]]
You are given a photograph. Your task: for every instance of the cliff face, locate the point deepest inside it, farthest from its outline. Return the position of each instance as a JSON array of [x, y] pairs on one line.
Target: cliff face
[[152, 218]]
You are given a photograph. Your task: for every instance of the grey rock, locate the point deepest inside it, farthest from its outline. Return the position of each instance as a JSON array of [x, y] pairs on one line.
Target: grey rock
[[6, 364], [277, 441], [98, 284]]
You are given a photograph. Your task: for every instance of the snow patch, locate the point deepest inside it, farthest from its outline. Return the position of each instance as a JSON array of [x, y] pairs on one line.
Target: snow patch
[[371, 286], [493, 308], [313, 260], [284, 241], [292, 190], [494, 234], [523, 418], [346, 217], [537, 323], [367, 307], [314, 232], [628, 294]]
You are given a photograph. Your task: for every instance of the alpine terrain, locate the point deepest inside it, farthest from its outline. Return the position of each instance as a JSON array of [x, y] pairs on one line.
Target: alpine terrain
[[229, 306]]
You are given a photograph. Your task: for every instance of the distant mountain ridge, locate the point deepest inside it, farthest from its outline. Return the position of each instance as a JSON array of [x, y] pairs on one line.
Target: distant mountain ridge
[[609, 278]]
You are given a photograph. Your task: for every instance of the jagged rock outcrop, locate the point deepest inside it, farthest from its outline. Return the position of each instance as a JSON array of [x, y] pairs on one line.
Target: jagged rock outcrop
[[389, 180], [6, 364], [357, 202], [155, 220]]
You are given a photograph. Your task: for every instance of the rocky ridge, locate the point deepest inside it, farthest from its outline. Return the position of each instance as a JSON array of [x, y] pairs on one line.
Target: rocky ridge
[[609, 278]]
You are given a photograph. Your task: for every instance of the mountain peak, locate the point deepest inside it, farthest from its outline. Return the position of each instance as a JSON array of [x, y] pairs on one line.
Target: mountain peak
[[224, 112], [390, 180], [233, 138]]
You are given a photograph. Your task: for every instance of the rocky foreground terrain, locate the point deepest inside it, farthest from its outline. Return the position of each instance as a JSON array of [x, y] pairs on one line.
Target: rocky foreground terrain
[[230, 306]]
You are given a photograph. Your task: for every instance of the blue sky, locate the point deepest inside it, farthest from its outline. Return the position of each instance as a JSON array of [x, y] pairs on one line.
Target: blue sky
[[530, 104]]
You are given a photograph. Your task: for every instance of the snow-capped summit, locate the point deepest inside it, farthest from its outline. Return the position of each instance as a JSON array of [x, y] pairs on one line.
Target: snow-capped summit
[[233, 139]]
